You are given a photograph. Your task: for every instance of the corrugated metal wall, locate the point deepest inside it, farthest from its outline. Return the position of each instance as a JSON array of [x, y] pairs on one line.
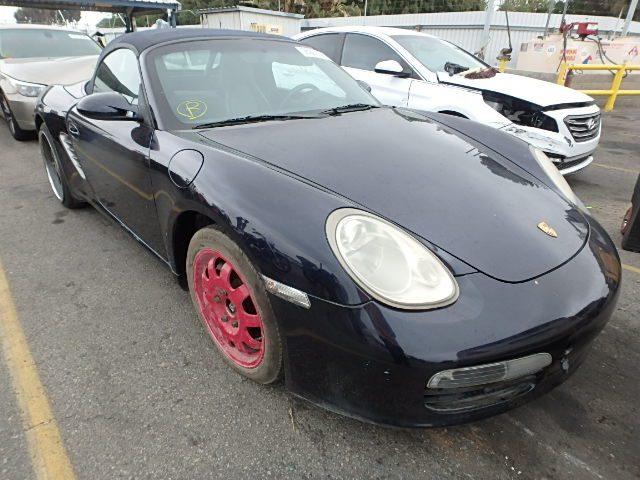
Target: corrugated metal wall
[[225, 20], [242, 20], [466, 28]]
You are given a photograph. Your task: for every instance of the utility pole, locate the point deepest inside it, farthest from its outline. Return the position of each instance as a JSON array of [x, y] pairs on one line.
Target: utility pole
[[550, 5], [564, 11], [630, 13], [486, 33]]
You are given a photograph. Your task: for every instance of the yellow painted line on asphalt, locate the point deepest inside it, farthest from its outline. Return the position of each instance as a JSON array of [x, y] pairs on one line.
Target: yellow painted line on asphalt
[[48, 455], [631, 268], [619, 169]]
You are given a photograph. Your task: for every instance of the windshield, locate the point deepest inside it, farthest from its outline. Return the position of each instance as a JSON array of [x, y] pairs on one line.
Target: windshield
[[433, 53], [33, 42], [216, 81]]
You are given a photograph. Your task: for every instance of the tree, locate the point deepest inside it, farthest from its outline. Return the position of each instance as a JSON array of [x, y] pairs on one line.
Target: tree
[[45, 16], [537, 6], [341, 8], [113, 21], [606, 8]]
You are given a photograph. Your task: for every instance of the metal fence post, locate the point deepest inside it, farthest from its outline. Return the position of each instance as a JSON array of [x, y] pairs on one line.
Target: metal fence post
[[615, 87], [562, 74], [630, 12]]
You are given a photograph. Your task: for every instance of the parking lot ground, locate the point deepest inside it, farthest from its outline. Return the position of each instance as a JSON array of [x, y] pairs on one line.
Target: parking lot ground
[[137, 390]]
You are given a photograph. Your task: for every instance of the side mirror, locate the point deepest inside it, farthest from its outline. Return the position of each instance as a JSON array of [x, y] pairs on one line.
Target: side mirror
[[364, 85], [390, 67], [107, 106]]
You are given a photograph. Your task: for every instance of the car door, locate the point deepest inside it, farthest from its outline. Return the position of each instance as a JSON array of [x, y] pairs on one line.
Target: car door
[[360, 55], [114, 154]]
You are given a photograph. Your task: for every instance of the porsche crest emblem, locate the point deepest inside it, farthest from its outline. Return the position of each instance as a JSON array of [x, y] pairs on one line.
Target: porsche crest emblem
[[547, 229]]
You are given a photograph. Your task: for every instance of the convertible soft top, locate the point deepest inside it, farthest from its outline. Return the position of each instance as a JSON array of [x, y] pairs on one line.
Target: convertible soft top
[[142, 40]]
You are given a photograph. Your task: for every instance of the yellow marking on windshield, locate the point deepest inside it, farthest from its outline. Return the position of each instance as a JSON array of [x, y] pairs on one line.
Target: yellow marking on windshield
[[192, 109]]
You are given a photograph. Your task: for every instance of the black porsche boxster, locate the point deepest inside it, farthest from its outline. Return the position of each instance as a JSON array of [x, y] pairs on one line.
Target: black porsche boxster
[[399, 267]]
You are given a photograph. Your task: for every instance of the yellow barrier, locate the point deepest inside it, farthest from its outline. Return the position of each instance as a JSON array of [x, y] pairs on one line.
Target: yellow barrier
[[613, 92]]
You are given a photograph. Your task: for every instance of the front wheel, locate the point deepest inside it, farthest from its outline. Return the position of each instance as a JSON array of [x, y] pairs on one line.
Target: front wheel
[[233, 305], [53, 169], [17, 133]]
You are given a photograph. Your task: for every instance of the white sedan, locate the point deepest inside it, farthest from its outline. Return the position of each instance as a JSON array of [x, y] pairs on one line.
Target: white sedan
[[419, 71]]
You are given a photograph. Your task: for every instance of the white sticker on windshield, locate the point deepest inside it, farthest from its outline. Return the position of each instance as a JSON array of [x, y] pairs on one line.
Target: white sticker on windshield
[[77, 37], [311, 53]]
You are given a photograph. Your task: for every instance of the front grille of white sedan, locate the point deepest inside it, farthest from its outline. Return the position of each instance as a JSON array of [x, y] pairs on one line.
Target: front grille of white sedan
[[583, 127]]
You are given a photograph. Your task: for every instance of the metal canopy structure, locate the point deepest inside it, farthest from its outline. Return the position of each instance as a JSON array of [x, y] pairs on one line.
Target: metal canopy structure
[[128, 8]]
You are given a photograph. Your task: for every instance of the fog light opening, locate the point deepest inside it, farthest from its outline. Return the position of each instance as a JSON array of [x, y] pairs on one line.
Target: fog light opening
[[490, 373]]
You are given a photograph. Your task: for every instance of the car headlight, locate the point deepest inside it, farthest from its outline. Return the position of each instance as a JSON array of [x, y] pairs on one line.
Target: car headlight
[[27, 89], [554, 174], [388, 263]]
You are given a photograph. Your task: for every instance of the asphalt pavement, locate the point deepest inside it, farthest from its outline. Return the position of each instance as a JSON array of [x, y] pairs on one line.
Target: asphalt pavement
[[138, 392]]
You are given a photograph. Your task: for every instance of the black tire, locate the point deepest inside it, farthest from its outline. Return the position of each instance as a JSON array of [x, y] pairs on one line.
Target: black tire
[[15, 130], [54, 171], [269, 370]]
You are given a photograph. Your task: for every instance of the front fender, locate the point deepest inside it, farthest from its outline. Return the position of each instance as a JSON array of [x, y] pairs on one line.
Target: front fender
[[51, 110], [438, 97], [278, 220]]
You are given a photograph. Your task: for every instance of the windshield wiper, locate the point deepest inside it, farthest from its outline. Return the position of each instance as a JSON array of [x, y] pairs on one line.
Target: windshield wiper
[[354, 107], [251, 119]]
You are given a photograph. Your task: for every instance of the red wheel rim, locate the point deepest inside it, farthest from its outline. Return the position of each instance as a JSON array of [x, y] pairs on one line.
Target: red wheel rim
[[229, 309]]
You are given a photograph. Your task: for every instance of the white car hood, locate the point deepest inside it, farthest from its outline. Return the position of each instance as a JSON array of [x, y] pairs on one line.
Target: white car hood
[[50, 71], [530, 89]]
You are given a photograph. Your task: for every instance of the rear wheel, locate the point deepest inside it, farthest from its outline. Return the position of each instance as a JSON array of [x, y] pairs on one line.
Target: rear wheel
[[234, 307], [53, 169], [14, 128]]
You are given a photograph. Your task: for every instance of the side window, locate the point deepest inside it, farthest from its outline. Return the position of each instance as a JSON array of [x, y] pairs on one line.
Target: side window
[[365, 52], [118, 72], [327, 43]]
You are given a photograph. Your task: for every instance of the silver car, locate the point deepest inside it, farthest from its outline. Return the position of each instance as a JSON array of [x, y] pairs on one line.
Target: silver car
[[33, 57]]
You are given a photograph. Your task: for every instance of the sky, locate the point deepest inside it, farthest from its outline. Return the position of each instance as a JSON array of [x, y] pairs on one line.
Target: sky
[[89, 19]]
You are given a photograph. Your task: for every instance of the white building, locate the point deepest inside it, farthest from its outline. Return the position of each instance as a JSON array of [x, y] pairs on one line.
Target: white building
[[253, 19]]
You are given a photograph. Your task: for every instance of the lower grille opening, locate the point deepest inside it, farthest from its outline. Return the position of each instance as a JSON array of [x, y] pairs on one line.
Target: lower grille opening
[[563, 163], [447, 400]]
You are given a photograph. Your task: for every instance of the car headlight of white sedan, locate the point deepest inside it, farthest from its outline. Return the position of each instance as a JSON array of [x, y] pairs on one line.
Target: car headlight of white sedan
[[27, 89]]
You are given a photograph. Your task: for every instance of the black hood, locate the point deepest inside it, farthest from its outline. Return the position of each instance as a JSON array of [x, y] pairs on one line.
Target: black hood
[[463, 198]]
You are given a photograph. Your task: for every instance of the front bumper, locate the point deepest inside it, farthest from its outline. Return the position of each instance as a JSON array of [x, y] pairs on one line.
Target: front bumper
[[373, 362], [568, 154], [23, 110]]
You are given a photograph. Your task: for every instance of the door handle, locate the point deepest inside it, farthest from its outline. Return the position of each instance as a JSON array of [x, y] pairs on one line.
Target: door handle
[[72, 128]]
